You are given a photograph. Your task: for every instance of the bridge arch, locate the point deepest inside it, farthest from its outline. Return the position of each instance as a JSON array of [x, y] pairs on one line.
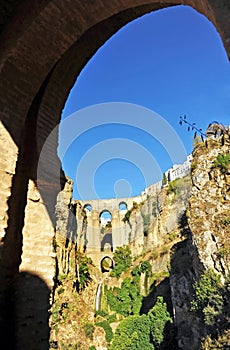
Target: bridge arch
[[88, 207], [123, 206], [107, 264], [105, 217]]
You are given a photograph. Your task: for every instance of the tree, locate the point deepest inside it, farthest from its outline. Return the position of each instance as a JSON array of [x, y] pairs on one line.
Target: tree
[[158, 317], [126, 300], [122, 258], [132, 333], [164, 181], [208, 299]]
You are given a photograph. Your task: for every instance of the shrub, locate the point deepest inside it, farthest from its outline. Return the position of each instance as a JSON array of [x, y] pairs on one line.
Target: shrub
[[127, 216], [101, 313], [223, 252], [89, 330], [84, 271], [60, 290], [125, 300], [193, 165], [164, 180], [222, 161], [61, 278], [158, 317], [108, 330], [225, 221], [172, 187], [135, 271], [122, 258], [146, 267], [208, 299], [132, 333]]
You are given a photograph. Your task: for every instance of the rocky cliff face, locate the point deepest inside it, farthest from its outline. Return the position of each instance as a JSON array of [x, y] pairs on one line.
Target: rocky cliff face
[[207, 245], [209, 209]]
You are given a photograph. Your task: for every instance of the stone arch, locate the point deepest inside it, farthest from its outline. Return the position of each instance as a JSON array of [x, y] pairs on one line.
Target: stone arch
[[107, 264], [106, 232], [61, 65], [88, 207], [55, 56], [103, 215], [123, 206]]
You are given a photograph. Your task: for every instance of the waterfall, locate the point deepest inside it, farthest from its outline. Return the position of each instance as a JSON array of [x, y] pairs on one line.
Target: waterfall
[[98, 297]]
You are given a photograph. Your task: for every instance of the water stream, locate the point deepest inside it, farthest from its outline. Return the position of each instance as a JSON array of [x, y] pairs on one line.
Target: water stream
[[98, 297]]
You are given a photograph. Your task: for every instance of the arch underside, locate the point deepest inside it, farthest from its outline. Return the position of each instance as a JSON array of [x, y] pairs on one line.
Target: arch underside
[[44, 44]]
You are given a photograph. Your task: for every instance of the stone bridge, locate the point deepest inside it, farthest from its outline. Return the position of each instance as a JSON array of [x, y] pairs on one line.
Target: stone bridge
[[44, 46], [103, 236]]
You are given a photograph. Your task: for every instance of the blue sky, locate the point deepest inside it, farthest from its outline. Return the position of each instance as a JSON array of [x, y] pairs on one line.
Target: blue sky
[[171, 62]]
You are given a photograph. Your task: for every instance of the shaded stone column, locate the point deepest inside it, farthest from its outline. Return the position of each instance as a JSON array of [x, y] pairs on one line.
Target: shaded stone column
[[93, 233], [36, 275]]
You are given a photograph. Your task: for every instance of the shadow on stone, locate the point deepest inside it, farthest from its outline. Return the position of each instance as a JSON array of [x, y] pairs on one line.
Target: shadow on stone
[[31, 305], [161, 289]]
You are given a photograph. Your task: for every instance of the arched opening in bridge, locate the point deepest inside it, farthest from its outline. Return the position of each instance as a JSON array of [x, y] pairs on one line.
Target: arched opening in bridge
[[105, 219], [88, 207], [123, 206], [106, 264]]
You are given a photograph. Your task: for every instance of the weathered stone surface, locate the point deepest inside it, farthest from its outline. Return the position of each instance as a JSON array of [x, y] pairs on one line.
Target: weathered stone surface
[[210, 205]]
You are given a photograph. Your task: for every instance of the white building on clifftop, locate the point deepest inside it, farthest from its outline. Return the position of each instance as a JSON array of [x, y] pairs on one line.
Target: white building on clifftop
[[177, 171]]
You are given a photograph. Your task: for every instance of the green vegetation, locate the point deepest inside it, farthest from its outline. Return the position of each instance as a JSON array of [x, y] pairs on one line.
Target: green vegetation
[[142, 332], [225, 221], [160, 276], [146, 268], [61, 278], [158, 316], [212, 301], [60, 290], [132, 333], [172, 187], [129, 212], [127, 216], [208, 297], [83, 271], [223, 251], [107, 328], [176, 186], [122, 258], [89, 330], [164, 180], [70, 346], [193, 165], [222, 162], [126, 300]]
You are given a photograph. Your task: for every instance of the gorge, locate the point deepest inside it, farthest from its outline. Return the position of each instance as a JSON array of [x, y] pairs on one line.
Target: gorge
[[172, 237]]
